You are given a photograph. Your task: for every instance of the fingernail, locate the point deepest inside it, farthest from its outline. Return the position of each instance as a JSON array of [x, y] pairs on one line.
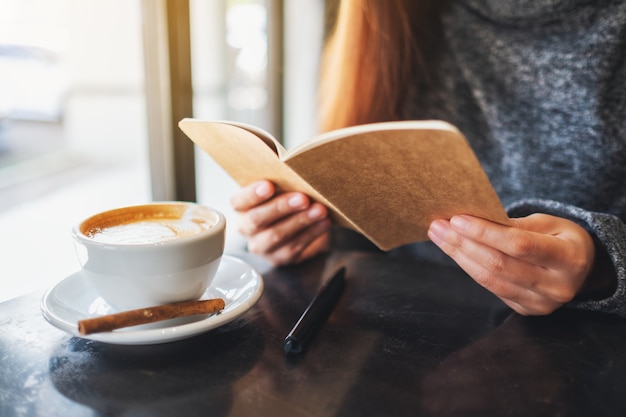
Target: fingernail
[[263, 190], [297, 201], [437, 232], [316, 212], [460, 223], [438, 228]]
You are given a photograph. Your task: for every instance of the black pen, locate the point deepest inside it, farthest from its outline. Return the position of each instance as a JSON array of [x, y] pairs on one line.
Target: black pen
[[316, 313]]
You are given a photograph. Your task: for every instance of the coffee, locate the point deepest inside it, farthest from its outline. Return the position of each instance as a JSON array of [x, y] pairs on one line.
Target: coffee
[[157, 253], [149, 224]]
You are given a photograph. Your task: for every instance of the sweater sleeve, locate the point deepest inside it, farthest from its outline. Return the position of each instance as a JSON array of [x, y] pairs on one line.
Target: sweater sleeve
[[609, 233]]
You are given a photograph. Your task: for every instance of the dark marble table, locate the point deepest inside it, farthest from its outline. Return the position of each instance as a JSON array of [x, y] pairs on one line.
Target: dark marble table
[[407, 338]]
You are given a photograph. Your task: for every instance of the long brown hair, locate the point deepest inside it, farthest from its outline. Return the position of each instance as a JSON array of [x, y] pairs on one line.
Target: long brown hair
[[371, 57]]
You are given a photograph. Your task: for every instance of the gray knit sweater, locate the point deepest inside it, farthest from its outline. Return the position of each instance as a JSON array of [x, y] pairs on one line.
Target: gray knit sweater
[[539, 89]]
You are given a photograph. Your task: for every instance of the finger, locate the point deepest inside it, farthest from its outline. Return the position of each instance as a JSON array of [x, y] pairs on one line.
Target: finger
[[541, 307], [528, 288], [536, 222], [530, 246], [264, 215], [320, 244], [542, 223], [484, 264], [281, 233], [252, 195], [306, 244], [525, 293]]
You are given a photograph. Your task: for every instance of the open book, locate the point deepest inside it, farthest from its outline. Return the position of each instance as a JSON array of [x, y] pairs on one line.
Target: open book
[[387, 181]]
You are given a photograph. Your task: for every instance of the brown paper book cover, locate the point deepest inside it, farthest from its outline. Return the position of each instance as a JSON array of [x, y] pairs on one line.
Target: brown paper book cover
[[387, 180]]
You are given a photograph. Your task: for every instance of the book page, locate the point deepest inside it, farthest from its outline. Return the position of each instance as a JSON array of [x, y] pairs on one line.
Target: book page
[[393, 183], [265, 136], [245, 156], [371, 127]]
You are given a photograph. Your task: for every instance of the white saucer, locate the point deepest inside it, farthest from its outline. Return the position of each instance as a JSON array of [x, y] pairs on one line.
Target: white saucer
[[74, 299]]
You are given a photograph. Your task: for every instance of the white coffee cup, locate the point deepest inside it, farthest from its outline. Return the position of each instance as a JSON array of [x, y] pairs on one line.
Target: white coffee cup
[[157, 253]]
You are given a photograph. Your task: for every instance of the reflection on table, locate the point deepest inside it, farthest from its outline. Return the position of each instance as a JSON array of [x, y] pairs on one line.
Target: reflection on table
[[407, 338]]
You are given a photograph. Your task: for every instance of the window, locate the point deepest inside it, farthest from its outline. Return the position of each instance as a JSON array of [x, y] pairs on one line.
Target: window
[[74, 123], [72, 128]]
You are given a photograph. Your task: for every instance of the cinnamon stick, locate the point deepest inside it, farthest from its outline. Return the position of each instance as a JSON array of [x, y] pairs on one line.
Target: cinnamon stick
[[149, 315]]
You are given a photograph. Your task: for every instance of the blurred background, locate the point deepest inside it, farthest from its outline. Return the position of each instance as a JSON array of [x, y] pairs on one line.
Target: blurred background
[[90, 94]]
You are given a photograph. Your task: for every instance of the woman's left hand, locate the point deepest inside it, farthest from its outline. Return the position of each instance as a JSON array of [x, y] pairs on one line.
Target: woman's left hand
[[535, 266]]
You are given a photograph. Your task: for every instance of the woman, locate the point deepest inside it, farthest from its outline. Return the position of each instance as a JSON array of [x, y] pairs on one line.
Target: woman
[[539, 90]]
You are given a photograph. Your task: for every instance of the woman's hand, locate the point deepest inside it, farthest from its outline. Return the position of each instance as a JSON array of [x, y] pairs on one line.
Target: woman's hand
[[284, 228], [535, 266]]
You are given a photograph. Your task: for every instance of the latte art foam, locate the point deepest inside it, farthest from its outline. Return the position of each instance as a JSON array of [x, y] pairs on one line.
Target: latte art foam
[[146, 232], [155, 224]]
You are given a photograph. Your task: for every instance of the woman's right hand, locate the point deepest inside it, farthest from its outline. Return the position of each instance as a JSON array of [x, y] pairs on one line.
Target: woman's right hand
[[283, 228]]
